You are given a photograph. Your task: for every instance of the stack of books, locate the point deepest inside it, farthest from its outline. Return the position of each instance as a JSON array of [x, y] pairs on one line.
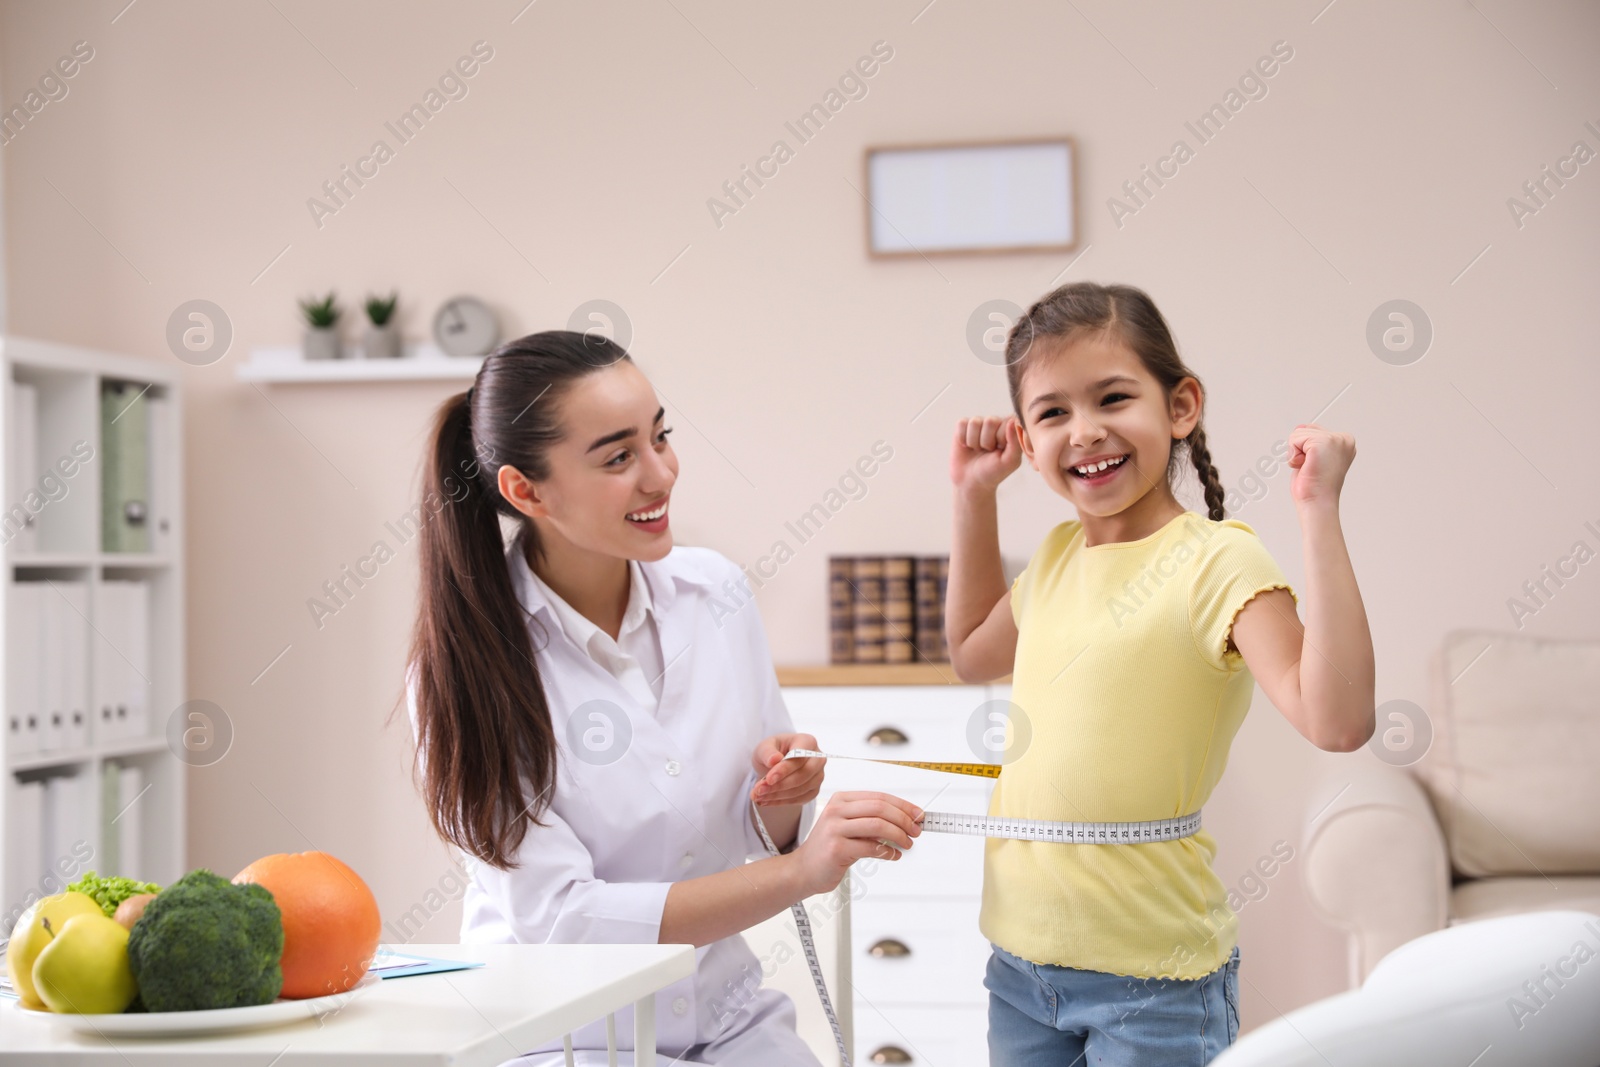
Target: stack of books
[[887, 609]]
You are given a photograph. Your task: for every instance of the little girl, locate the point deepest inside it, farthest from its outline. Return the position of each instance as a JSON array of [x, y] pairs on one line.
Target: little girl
[[1135, 638]]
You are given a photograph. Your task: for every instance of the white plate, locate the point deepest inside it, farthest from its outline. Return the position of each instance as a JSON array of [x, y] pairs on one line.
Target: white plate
[[210, 1021]]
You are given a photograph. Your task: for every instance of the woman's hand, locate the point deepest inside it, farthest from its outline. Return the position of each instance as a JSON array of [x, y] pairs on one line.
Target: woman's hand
[[1320, 459], [854, 826], [986, 451], [787, 781]]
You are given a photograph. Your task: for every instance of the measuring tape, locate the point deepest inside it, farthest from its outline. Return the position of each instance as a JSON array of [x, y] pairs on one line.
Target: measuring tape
[[802, 923], [1063, 833], [945, 822]]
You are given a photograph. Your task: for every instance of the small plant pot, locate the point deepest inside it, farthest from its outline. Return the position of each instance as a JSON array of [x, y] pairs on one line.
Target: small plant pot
[[383, 342], [322, 342]]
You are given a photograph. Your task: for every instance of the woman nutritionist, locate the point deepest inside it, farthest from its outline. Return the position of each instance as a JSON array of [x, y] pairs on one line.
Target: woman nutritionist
[[589, 734]]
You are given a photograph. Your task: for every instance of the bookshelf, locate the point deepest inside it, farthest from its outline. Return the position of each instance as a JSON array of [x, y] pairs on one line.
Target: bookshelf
[[112, 646]]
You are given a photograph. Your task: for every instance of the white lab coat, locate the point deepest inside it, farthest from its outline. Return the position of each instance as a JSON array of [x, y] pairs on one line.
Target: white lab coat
[[646, 799]]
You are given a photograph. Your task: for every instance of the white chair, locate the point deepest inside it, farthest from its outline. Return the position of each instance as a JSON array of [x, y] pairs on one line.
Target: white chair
[[1519, 989], [776, 944]]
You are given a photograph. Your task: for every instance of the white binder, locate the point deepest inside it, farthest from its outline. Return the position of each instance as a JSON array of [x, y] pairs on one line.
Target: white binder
[[69, 718], [64, 823], [23, 648], [34, 723], [109, 648], [29, 852], [137, 615], [21, 528], [17, 677], [122, 662], [52, 665], [130, 781], [77, 709]]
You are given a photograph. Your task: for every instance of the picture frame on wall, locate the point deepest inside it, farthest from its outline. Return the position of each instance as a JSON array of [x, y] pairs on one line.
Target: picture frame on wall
[[966, 198]]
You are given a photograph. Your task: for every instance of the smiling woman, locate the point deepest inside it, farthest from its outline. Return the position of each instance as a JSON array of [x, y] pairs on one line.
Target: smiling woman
[[590, 734]]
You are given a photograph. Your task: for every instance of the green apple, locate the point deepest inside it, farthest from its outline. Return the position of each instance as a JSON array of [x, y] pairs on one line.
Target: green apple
[[84, 969], [29, 937]]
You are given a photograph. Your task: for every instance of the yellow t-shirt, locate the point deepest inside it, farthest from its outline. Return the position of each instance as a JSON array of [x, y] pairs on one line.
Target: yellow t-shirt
[[1131, 700]]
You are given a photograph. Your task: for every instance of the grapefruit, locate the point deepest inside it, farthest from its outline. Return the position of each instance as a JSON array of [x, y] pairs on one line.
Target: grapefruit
[[330, 920]]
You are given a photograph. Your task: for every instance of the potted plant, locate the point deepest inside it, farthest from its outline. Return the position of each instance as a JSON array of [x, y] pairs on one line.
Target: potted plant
[[322, 336], [383, 339]]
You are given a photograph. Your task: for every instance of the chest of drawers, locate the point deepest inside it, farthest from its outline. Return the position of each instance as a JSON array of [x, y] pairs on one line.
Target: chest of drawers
[[917, 956]]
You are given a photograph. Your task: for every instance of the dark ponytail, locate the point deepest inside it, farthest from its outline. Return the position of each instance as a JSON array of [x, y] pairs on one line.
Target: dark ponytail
[[485, 736], [1133, 317]]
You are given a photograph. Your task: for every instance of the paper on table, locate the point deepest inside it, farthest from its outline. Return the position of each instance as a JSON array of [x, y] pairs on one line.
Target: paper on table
[[387, 964]]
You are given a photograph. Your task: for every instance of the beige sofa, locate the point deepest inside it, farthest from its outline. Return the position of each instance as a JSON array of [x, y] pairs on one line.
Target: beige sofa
[[1500, 816]]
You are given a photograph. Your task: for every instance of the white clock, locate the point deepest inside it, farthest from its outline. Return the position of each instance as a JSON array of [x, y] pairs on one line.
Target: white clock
[[466, 326]]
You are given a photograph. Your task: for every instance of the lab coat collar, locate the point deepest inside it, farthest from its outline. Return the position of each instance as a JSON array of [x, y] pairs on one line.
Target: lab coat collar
[[662, 576], [579, 628]]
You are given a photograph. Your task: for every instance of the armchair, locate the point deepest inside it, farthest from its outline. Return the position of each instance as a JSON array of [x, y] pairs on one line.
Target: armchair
[[1501, 816]]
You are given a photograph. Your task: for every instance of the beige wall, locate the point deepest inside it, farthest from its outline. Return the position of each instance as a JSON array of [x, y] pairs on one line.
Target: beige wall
[[1378, 166]]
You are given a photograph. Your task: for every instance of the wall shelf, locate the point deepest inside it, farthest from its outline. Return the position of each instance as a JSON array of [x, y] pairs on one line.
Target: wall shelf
[[62, 757], [88, 559], [424, 362]]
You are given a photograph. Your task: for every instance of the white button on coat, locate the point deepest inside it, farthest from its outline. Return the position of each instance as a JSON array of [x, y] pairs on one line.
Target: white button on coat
[[623, 820]]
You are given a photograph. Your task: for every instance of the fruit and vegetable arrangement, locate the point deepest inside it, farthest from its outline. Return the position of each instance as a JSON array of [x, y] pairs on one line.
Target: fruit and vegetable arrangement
[[290, 925]]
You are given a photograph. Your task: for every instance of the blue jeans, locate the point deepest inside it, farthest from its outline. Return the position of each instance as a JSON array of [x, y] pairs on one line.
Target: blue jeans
[[1047, 1016]]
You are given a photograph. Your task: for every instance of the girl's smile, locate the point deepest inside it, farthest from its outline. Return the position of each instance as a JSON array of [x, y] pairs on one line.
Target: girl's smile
[[1101, 470]]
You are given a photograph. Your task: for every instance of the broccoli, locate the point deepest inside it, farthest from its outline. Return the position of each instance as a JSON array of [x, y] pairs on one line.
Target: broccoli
[[206, 943]]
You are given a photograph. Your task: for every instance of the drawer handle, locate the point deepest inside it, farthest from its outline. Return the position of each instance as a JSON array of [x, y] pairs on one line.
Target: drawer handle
[[889, 948], [887, 735], [891, 1054]]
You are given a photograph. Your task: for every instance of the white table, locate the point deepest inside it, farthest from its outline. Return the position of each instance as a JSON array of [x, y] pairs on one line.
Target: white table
[[525, 996]]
